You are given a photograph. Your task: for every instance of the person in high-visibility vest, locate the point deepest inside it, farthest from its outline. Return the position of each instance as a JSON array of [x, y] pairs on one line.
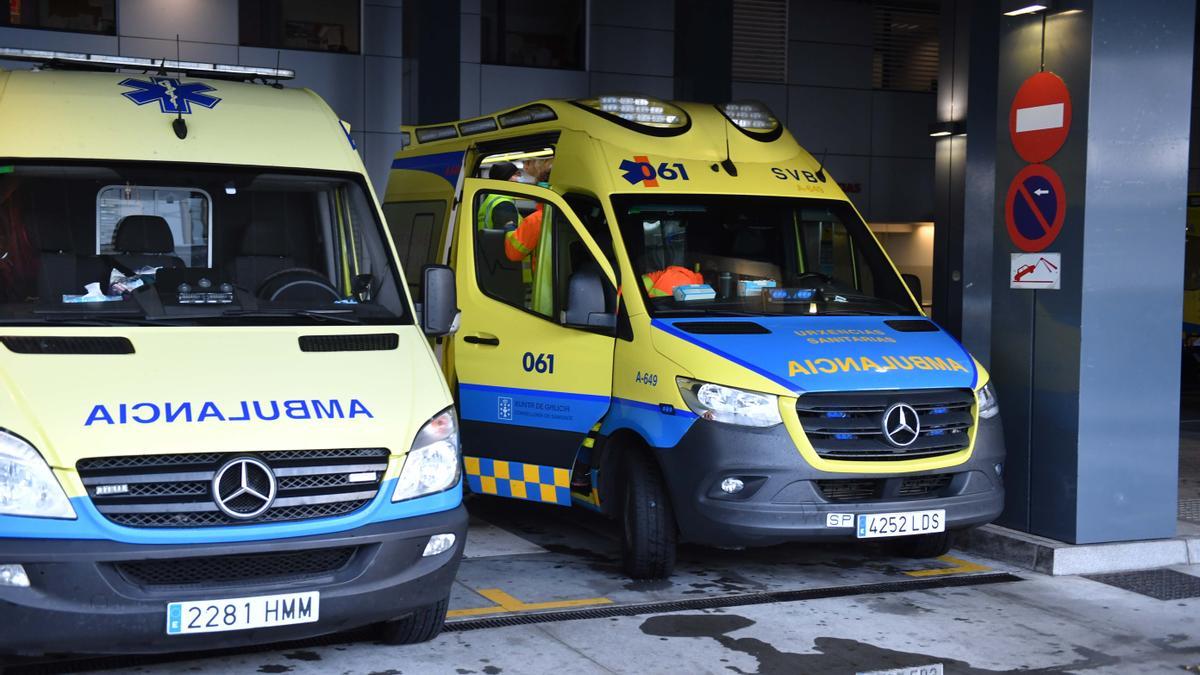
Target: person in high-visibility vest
[[522, 242], [497, 211], [662, 283], [527, 242]]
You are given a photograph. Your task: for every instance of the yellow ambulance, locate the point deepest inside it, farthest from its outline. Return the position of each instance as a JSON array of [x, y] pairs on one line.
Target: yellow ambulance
[[688, 327], [221, 421]]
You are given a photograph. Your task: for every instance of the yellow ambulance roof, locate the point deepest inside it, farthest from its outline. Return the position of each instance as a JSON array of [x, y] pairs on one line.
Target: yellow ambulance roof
[[704, 136], [128, 116], [767, 164]]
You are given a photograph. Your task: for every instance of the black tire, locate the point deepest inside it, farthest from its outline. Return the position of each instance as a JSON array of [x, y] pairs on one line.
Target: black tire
[[924, 545], [422, 625], [648, 534]]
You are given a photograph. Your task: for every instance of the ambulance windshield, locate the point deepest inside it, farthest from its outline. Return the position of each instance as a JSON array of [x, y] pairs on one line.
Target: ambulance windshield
[[730, 255], [178, 244]]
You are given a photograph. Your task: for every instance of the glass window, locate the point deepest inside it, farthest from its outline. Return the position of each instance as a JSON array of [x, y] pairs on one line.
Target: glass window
[[721, 255], [533, 33], [508, 260], [185, 211], [531, 266], [591, 214], [81, 16], [417, 232], [179, 244], [317, 25]]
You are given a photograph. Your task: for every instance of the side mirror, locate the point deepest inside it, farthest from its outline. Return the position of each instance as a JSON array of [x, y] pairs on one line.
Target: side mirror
[[439, 311], [914, 284], [586, 301]]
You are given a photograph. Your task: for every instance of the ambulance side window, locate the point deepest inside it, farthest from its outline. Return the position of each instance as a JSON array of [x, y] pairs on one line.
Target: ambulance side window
[[593, 295], [508, 262], [416, 229], [827, 248], [591, 215]]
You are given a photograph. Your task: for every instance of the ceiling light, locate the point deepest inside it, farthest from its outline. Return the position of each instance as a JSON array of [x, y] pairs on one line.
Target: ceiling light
[[1026, 9]]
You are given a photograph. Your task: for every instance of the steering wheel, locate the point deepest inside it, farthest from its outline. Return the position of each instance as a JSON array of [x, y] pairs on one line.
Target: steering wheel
[[298, 284]]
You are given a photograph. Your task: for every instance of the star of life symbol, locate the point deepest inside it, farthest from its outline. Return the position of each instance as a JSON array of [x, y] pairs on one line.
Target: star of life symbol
[[173, 97], [504, 408]]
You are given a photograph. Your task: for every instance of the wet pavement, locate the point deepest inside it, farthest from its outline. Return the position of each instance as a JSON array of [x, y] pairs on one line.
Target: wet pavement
[[541, 592]]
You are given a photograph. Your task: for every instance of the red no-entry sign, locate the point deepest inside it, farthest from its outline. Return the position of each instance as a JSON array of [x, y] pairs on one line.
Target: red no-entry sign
[[1035, 208], [1040, 117]]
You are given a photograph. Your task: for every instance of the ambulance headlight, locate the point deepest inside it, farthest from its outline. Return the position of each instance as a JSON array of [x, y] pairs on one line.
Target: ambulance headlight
[[750, 115], [988, 406], [719, 403], [431, 465], [27, 485]]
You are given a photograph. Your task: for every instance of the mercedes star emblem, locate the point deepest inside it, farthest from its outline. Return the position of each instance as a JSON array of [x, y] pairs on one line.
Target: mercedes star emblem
[[244, 488], [901, 425]]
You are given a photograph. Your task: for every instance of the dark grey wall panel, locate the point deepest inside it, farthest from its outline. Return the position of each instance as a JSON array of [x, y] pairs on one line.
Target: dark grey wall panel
[[837, 119], [824, 64], [835, 21], [900, 123]]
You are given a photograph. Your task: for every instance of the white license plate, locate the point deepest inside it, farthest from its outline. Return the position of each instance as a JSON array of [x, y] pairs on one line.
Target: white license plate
[[264, 611], [871, 525]]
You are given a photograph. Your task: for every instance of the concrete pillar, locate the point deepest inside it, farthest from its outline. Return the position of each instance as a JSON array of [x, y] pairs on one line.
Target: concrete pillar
[[1088, 375]]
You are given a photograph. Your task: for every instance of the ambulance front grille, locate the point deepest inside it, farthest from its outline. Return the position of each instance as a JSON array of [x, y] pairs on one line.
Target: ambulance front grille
[[849, 425], [255, 568], [154, 491]]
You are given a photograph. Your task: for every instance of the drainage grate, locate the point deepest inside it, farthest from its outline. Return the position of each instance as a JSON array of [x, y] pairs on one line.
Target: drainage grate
[[739, 600], [1157, 584], [1189, 510]]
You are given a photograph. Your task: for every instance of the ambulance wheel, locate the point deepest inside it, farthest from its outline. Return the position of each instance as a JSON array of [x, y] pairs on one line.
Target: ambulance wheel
[[924, 545], [422, 625], [647, 522]]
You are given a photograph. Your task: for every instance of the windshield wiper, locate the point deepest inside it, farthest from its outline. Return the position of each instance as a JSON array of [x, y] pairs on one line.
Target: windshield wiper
[[675, 311], [80, 319], [331, 315]]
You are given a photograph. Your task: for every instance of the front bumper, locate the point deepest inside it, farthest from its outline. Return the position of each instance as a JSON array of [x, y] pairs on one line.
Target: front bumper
[[782, 503], [80, 602]]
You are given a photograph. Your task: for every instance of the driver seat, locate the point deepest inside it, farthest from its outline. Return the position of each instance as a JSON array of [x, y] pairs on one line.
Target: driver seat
[[144, 241], [263, 252]]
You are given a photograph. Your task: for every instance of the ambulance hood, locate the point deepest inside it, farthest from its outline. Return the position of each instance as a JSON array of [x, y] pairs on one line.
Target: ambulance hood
[[211, 389], [822, 353]]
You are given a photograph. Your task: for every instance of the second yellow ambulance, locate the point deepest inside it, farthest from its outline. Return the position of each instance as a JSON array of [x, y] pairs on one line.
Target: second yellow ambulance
[[688, 327]]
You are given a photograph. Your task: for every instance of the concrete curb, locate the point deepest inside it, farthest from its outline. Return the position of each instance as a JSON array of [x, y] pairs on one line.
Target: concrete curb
[[1049, 556]]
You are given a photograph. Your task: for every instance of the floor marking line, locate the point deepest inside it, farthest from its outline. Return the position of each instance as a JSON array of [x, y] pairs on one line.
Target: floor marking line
[[507, 603], [959, 567], [737, 600]]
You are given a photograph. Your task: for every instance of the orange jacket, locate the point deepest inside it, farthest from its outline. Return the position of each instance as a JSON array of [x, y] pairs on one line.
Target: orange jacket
[[522, 242], [663, 282]]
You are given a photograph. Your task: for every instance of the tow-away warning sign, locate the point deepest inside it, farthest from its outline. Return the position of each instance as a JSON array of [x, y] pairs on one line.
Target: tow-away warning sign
[[1035, 270]]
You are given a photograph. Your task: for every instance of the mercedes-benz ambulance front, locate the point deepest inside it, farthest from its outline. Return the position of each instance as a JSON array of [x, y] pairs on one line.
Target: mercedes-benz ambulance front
[[690, 328], [220, 422]]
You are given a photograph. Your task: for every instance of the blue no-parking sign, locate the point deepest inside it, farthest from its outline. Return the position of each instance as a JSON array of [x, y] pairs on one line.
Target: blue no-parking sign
[[1035, 208]]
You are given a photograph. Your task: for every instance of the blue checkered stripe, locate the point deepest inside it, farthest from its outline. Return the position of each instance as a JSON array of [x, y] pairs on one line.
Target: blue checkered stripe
[[517, 480]]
